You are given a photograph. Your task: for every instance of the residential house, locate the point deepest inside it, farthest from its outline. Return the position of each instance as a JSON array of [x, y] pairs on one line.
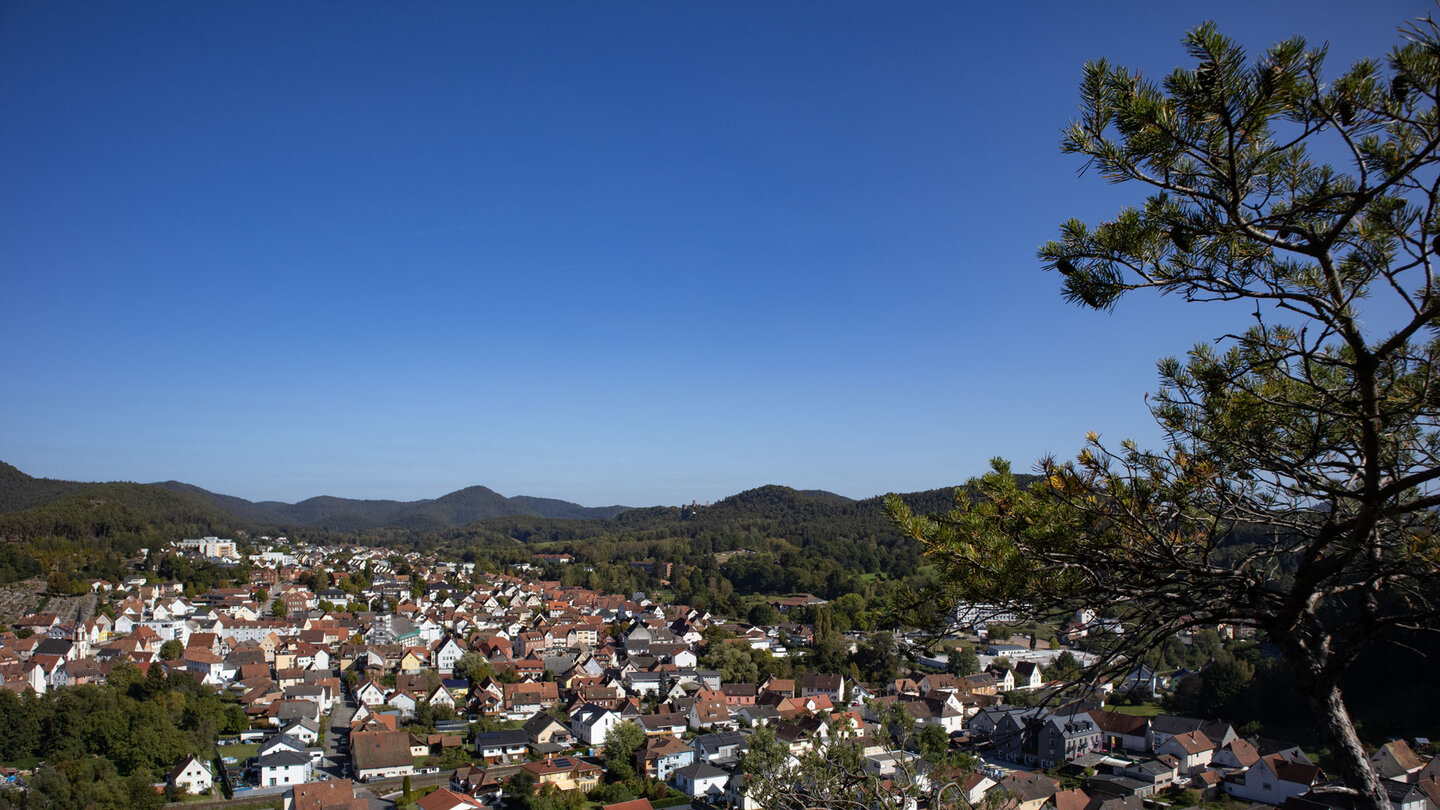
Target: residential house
[[722, 748], [590, 723], [565, 773], [662, 756], [334, 794], [985, 683], [1238, 755], [1064, 736], [447, 799], [1122, 732], [1143, 681], [547, 735], [711, 713], [1410, 796], [447, 654], [817, 683], [1028, 791], [1272, 780], [701, 780], [739, 694], [523, 700], [784, 687], [502, 747], [664, 724], [1157, 772], [1004, 677], [1396, 760], [404, 702], [370, 693], [381, 754], [945, 713], [305, 730], [477, 782], [284, 768], [1192, 749], [1027, 675], [440, 696], [191, 775]]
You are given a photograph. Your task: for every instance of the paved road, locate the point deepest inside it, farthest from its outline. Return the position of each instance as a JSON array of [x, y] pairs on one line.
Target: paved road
[[335, 762]]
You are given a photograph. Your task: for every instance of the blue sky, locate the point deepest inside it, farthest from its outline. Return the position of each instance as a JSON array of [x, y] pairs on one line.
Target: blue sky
[[612, 252]]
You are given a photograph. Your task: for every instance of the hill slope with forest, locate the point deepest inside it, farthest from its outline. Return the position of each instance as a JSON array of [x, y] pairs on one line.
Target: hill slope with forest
[[353, 515], [768, 540]]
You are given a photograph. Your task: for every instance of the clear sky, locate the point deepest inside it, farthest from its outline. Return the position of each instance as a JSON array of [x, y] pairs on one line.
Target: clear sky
[[611, 252]]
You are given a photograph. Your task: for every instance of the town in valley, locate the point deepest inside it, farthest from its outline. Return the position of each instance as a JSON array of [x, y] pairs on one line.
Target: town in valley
[[352, 676]]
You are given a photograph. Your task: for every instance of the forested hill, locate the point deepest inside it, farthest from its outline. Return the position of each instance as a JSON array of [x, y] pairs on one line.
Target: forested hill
[[772, 539], [126, 517], [31, 508], [20, 491], [119, 514], [769, 540], [351, 515]]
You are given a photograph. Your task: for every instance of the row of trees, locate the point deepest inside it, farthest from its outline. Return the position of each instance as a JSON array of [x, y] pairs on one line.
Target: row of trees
[[99, 741]]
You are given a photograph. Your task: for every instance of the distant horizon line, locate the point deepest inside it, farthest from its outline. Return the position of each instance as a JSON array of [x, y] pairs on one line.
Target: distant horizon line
[[694, 501]]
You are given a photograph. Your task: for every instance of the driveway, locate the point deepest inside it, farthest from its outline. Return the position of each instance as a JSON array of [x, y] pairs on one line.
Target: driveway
[[375, 802]]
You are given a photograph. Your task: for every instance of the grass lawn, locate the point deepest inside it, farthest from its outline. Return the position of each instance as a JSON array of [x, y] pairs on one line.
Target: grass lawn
[[1142, 710], [239, 752]]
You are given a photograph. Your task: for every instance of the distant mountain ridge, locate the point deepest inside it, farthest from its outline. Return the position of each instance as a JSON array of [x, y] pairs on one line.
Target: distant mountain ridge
[[457, 508], [23, 493], [29, 506]]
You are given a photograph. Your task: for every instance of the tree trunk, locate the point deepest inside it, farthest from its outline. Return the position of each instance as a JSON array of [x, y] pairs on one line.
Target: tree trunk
[[1330, 712]]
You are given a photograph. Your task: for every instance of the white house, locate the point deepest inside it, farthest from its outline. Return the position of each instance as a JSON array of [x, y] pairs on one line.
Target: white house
[[284, 768], [305, 730], [404, 701], [191, 776], [447, 654], [702, 780], [370, 693], [1272, 780], [1027, 675], [590, 723], [441, 696], [1192, 749], [278, 743]]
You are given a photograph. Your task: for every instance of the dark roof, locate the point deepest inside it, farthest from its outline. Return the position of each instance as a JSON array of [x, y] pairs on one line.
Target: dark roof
[[1171, 724], [283, 759], [1115, 803], [663, 719], [1115, 785], [54, 646], [540, 721], [718, 740], [286, 740], [1028, 786], [508, 737], [700, 770], [820, 680]]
